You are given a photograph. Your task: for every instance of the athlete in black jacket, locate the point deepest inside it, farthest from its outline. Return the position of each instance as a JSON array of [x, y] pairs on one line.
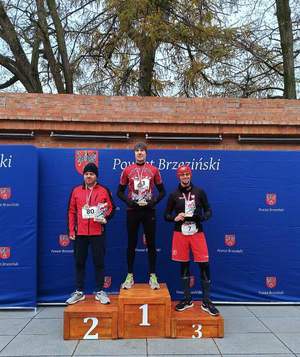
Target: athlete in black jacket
[[188, 206]]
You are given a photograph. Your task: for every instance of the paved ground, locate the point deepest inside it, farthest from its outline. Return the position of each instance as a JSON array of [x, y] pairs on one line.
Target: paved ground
[[250, 331]]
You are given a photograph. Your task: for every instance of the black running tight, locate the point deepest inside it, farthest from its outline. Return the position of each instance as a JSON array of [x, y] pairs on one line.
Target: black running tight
[[146, 217]]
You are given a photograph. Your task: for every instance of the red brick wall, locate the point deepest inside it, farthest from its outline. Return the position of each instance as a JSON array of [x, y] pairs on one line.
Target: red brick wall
[[97, 115]]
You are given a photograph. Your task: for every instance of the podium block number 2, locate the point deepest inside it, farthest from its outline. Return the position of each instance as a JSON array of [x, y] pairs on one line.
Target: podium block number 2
[[88, 335], [144, 309]]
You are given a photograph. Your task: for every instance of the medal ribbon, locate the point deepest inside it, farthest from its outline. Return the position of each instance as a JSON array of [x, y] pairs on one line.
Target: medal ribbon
[[188, 198], [140, 174], [88, 197]]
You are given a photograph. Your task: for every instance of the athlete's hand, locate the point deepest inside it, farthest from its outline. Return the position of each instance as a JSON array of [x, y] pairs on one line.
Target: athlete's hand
[[132, 204], [152, 202], [72, 237], [179, 217], [102, 220]]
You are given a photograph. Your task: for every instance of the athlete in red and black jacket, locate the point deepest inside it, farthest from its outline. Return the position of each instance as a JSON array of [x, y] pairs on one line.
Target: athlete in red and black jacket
[[187, 207], [90, 207], [141, 178]]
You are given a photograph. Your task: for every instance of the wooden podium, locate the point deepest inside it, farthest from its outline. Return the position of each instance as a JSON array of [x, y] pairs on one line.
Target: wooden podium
[[144, 312], [90, 320], [195, 323], [139, 312]]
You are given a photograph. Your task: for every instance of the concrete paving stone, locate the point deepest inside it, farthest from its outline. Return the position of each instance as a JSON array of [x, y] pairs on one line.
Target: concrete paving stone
[[292, 340], [251, 343], [4, 340], [38, 345], [243, 325], [201, 355], [51, 312], [134, 347], [234, 311], [12, 326], [19, 314], [178, 346], [282, 324], [275, 311], [44, 327]]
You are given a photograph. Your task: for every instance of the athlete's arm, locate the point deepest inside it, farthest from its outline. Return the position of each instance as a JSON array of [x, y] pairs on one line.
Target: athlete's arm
[[161, 194], [72, 212], [121, 194], [111, 206]]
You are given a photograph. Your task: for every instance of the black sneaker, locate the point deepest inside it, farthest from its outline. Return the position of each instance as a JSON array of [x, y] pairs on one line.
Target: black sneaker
[[184, 304], [209, 307]]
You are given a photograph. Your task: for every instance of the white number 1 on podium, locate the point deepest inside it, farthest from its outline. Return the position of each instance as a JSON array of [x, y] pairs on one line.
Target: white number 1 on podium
[[145, 315]]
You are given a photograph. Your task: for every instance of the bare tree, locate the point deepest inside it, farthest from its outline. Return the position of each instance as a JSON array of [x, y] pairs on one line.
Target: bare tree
[[283, 13]]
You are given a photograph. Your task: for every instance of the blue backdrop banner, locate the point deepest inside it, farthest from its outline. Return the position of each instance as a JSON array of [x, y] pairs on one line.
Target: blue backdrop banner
[[253, 235], [18, 220]]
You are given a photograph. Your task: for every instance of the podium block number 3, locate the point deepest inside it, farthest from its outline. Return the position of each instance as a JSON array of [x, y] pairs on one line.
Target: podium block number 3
[[88, 335], [198, 331], [144, 309]]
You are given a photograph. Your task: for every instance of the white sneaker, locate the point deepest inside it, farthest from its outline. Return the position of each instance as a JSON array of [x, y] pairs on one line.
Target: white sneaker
[[102, 297], [75, 297], [129, 282]]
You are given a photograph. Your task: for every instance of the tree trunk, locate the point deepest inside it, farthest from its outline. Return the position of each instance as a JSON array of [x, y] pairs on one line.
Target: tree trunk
[[147, 60], [283, 13], [60, 36], [53, 64]]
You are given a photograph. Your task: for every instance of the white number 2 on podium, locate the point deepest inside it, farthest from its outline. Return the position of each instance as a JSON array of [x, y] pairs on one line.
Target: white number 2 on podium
[[87, 336], [198, 330], [144, 322]]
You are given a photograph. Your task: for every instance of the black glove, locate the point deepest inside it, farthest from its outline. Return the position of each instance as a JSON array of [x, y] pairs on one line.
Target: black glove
[[132, 204], [152, 202]]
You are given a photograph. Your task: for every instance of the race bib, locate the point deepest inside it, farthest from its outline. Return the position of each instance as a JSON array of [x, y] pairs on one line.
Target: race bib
[[189, 208], [89, 212], [141, 185], [189, 228]]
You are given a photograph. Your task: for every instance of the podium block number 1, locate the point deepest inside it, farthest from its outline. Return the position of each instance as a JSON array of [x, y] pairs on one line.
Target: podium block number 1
[[144, 309], [88, 336]]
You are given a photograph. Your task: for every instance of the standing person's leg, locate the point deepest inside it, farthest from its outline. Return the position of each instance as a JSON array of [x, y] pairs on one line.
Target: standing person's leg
[[98, 253], [200, 252], [149, 224], [81, 244], [205, 280], [185, 277], [207, 305], [80, 252], [133, 222]]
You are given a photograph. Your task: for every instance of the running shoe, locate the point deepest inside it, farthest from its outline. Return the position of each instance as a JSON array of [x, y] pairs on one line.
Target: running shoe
[[153, 281], [75, 297], [209, 307], [128, 283], [102, 297], [184, 304]]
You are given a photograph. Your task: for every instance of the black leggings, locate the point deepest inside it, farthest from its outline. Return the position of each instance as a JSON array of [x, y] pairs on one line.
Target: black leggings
[[146, 217], [203, 267], [205, 279], [81, 246]]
